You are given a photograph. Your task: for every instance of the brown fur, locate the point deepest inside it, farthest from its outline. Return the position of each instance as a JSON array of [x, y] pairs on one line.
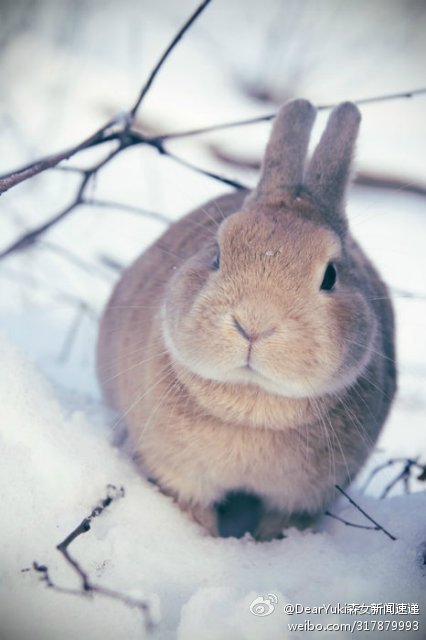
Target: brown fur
[[173, 352]]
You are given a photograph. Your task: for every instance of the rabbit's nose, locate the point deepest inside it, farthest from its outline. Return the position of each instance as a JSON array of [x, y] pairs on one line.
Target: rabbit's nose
[[251, 336]]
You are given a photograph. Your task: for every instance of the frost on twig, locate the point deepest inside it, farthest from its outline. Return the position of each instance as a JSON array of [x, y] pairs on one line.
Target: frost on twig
[[88, 588]]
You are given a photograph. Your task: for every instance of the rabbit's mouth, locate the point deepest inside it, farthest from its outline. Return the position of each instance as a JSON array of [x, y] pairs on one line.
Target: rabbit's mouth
[[248, 369], [247, 374]]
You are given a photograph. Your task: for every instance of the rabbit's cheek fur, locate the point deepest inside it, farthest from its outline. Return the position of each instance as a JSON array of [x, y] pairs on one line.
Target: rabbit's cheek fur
[[298, 353], [356, 331]]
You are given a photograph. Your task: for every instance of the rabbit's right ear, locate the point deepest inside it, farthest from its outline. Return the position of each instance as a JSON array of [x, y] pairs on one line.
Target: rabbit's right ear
[[328, 172], [283, 164]]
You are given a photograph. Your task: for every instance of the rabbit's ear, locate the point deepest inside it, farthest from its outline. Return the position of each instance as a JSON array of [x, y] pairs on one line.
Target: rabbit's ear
[[283, 164], [329, 169]]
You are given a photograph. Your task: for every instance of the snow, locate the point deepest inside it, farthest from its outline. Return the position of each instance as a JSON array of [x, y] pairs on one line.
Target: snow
[[56, 436], [55, 469]]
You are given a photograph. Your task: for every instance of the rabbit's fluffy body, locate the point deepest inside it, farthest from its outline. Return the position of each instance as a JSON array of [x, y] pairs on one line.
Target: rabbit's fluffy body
[[233, 368]]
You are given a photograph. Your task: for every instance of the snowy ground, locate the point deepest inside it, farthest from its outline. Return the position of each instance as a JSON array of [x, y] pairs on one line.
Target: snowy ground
[[55, 435]]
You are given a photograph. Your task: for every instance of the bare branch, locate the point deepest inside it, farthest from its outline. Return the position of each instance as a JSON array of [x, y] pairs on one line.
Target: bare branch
[[157, 143], [409, 464], [112, 263], [352, 524], [165, 55], [363, 179], [87, 587], [270, 116], [30, 237], [120, 129], [205, 172], [72, 332], [389, 183], [110, 204], [410, 295], [84, 527], [102, 136], [87, 267], [128, 601], [72, 301], [364, 513], [9, 180]]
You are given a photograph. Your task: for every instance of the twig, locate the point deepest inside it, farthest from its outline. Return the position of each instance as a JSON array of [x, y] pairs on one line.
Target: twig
[[87, 587], [110, 204], [410, 295], [128, 601], [389, 183], [112, 263], [120, 129], [351, 524], [128, 137], [30, 237], [9, 180], [205, 172], [409, 465], [165, 55], [363, 179], [72, 332], [157, 143], [364, 513], [270, 116], [84, 527], [65, 254], [23, 279]]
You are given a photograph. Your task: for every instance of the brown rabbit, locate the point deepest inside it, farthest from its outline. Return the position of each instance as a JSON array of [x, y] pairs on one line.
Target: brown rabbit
[[250, 349]]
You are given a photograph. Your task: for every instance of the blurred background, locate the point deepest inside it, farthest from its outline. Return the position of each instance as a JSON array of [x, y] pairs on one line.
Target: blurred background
[[66, 67]]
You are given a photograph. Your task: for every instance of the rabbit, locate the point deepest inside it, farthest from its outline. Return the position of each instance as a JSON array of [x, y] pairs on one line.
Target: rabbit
[[250, 350]]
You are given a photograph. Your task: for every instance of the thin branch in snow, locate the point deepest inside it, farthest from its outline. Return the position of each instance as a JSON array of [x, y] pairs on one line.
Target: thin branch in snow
[[88, 588], [390, 183], [111, 263], [364, 513], [128, 601], [9, 180], [405, 475], [120, 129], [30, 237], [110, 204], [61, 296], [75, 260], [107, 134], [270, 116], [205, 172], [165, 55], [363, 179], [157, 143], [84, 527], [352, 524], [71, 334], [410, 295]]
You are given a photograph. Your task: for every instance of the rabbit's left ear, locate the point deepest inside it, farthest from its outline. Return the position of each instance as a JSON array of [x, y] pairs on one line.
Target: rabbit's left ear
[[283, 164], [328, 172]]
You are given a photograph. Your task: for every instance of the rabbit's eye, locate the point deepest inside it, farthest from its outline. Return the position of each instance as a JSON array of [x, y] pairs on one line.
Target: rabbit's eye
[[330, 277], [215, 264]]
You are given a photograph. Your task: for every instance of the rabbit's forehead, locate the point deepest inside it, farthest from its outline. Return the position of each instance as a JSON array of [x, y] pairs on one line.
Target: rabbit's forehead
[[278, 235]]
